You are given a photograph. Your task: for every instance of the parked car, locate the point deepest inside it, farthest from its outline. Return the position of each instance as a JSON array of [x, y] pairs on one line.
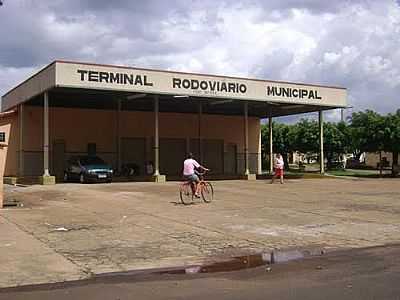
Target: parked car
[[88, 168]]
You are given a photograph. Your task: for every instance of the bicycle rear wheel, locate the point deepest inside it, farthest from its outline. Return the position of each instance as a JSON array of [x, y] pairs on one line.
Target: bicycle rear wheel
[[207, 192], [185, 193]]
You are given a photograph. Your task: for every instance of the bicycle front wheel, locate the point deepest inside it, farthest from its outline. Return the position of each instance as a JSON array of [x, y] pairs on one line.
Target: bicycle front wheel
[[186, 195], [207, 192]]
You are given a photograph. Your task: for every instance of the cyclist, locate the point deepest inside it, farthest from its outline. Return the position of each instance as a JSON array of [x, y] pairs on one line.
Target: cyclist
[[189, 172]]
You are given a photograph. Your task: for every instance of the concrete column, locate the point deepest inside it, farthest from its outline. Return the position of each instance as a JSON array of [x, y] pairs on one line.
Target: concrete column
[[199, 133], [271, 151], [118, 135], [21, 141], [259, 158], [46, 135], [246, 138], [321, 141], [46, 178], [156, 138], [157, 177]]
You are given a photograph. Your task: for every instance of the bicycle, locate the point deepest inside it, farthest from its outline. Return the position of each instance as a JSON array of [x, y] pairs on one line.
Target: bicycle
[[186, 190]]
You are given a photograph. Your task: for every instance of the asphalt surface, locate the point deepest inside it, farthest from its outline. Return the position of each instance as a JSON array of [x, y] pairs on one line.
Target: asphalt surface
[[72, 231], [372, 273]]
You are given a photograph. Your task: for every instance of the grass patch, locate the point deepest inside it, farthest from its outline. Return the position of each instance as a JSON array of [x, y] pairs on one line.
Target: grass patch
[[359, 173]]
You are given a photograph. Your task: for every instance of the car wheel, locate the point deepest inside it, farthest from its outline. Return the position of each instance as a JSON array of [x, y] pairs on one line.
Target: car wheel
[[66, 178], [82, 178]]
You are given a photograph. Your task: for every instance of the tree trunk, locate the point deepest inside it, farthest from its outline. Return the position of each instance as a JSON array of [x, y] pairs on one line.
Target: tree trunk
[[380, 163], [329, 158], [395, 163], [285, 160]]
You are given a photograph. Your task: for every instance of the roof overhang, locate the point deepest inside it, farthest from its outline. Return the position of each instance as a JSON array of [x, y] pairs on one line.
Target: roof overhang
[[278, 98]]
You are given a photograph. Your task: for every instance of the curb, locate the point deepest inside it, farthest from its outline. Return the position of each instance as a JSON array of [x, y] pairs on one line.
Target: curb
[[217, 265], [227, 264]]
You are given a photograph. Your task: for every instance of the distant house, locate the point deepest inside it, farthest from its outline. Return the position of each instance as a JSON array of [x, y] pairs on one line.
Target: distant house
[[372, 159]]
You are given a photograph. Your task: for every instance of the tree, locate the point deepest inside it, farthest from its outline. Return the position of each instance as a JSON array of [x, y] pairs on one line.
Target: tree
[[282, 142], [368, 129], [392, 138], [305, 137], [336, 141]]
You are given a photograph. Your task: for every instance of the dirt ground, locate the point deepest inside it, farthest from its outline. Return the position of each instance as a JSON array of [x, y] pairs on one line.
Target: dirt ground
[[72, 231]]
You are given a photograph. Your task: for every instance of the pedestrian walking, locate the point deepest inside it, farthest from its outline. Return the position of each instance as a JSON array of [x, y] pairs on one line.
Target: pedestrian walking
[[278, 168]]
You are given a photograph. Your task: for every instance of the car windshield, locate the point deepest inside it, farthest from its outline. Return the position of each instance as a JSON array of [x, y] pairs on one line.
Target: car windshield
[[91, 160]]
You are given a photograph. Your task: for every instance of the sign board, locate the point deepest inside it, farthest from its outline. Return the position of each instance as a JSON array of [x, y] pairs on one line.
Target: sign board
[[116, 78], [78, 75]]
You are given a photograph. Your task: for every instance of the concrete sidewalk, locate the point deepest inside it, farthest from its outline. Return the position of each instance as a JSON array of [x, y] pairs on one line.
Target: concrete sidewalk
[[72, 231]]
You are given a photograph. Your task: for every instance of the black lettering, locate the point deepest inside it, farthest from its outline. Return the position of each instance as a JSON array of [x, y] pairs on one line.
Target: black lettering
[[243, 88], [231, 87], [186, 84], [223, 87], [114, 77], [316, 95], [295, 93], [311, 95], [270, 91], [138, 80], [303, 93], [176, 83], [276, 91], [194, 84], [104, 76], [93, 76], [212, 85], [82, 72], [203, 85], [128, 78], [147, 83], [285, 92]]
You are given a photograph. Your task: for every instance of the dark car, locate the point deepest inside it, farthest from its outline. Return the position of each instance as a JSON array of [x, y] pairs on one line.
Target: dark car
[[88, 168]]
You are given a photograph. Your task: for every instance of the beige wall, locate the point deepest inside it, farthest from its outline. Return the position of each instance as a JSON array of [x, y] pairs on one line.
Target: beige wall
[[372, 159], [78, 127], [9, 153]]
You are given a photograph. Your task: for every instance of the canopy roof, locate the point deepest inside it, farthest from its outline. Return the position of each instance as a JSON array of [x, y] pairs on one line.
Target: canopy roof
[[75, 84]]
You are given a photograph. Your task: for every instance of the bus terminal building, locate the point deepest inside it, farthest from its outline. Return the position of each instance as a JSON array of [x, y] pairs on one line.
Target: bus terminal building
[[135, 116]]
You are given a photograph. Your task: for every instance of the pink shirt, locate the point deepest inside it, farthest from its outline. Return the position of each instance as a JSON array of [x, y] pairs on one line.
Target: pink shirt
[[279, 163], [189, 165]]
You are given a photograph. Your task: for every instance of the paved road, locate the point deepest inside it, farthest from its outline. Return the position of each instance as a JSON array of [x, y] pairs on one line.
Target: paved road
[[357, 274], [73, 231]]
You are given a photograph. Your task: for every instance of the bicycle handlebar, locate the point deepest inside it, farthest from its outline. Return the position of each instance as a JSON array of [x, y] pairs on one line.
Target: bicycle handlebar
[[202, 173]]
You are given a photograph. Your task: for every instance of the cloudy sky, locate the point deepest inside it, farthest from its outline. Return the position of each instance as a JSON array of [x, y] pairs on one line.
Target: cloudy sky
[[355, 44]]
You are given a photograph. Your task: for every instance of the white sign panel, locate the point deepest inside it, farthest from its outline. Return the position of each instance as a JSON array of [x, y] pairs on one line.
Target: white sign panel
[[175, 83], [103, 77]]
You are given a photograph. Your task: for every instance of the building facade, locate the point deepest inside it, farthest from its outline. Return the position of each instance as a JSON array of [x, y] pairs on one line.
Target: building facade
[[138, 116]]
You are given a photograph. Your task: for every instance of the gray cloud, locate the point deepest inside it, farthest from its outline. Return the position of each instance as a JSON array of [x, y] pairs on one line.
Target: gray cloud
[[348, 43]]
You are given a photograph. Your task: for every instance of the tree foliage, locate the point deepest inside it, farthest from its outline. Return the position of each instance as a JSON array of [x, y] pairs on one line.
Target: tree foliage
[[367, 131]]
